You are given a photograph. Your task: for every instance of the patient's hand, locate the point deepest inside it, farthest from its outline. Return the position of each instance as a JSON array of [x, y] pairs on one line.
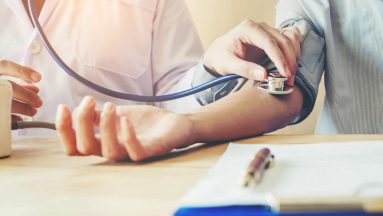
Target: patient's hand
[[126, 132]]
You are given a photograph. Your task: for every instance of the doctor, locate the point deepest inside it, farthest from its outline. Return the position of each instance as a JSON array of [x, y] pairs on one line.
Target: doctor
[[132, 46]]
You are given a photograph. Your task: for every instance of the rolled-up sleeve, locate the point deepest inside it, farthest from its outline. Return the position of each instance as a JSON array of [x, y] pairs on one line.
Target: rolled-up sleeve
[[176, 51], [312, 61]]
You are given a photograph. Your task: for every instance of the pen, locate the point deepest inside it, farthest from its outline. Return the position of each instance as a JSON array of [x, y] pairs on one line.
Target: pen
[[254, 172]]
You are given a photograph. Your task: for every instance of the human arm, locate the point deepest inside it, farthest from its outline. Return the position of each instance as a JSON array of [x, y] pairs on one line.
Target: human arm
[[247, 112], [25, 95], [141, 132], [246, 58]]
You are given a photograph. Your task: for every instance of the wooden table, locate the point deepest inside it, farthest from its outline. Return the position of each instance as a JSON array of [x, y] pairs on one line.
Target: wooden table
[[38, 179]]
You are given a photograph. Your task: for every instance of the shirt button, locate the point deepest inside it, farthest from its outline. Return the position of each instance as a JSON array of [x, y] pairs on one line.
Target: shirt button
[[35, 48]]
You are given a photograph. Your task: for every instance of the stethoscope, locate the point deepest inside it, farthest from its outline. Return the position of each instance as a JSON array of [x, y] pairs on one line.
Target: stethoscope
[[274, 84]]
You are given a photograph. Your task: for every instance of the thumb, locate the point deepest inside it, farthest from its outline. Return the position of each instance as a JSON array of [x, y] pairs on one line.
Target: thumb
[[249, 70]]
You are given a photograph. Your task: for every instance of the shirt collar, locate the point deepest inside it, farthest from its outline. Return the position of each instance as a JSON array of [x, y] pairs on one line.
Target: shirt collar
[[18, 9]]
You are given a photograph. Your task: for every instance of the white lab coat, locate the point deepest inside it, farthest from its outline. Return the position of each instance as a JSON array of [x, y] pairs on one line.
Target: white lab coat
[[145, 47]]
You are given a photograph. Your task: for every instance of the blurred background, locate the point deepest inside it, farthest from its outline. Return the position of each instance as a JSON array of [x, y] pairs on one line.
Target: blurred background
[[215, 17]]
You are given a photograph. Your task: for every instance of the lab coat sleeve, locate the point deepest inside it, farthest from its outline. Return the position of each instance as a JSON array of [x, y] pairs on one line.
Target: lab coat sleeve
[[312, 62], [175, 53]]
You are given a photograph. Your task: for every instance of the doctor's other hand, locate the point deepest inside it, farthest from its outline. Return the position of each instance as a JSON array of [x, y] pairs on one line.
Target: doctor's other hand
[[25, 94], [241, 51], [125, 132]]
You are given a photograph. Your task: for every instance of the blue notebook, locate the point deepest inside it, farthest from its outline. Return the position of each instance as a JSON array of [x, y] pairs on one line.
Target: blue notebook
[[299, 171], [256, 211]]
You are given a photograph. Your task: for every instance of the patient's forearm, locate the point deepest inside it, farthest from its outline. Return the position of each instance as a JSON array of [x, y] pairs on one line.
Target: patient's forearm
[[245, 113]]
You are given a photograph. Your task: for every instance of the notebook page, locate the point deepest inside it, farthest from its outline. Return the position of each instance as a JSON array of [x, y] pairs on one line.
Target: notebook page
[[299, 170]]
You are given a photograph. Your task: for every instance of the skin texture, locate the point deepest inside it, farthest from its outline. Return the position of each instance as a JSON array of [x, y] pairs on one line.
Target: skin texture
[[241, 50], [38, 5], [141, 132], [25, 93]]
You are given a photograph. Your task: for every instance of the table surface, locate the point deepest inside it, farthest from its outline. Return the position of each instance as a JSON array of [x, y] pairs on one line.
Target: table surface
[[38, 179]]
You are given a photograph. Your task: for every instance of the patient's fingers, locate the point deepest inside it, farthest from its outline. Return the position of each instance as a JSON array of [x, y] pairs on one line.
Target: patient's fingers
[[110, 146], [87, 143], [134, 148], [65, 131]]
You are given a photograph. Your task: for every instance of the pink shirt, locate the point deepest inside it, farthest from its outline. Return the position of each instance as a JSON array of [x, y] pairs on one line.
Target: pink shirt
[[145, 47]]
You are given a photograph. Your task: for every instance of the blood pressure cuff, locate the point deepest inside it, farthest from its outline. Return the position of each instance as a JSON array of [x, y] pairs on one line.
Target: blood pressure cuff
[[308, 76], [310, 65], [202, 75]]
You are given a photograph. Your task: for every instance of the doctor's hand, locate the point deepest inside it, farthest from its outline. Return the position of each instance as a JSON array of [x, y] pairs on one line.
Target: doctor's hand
[[241, 50], [25, 95], [125, 132]]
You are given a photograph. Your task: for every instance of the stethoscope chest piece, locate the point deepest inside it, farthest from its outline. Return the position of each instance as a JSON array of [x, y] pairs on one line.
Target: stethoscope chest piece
[[275, 84]]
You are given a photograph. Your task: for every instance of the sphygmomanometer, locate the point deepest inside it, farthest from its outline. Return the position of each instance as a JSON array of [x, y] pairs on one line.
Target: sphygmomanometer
[[308, 76]]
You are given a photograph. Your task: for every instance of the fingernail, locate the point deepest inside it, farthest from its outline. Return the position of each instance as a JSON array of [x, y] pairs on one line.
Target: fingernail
[[60, 108], [39, 103], [109, 107], [88, 100], [35, 76]]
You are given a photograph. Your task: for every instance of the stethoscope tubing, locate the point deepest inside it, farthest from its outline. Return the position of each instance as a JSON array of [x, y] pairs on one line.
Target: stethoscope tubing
[[115, 94]]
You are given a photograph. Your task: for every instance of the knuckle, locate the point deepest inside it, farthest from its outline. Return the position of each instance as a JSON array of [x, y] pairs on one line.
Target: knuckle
[[247, 22], [263, 24], [271, 42], [4, 63], [285, 42], [82, 114]]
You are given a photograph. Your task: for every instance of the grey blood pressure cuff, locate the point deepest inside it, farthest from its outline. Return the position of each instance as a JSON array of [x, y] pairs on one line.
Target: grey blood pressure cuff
[[310, 65], [201, 76], [308, 76]]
